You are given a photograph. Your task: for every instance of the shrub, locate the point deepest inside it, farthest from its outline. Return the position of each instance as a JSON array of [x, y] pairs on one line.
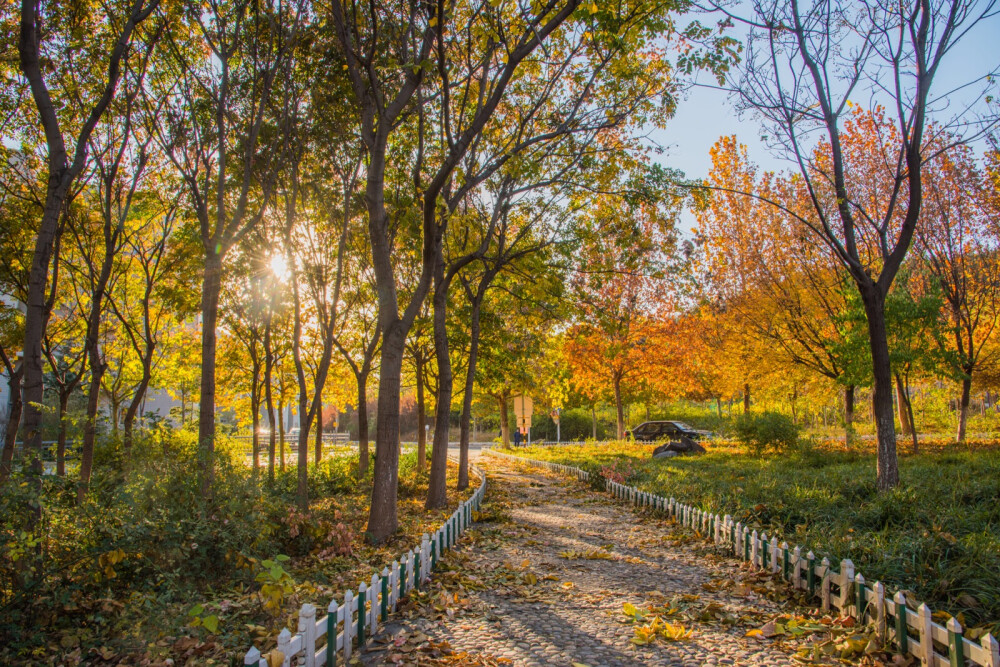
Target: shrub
[[766, 431]]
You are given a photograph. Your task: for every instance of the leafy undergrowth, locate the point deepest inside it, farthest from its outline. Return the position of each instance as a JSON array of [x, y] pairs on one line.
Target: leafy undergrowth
[[937, 535], [148, 573]]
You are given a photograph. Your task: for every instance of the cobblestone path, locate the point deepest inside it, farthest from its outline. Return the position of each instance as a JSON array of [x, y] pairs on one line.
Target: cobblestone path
[[543, 578]]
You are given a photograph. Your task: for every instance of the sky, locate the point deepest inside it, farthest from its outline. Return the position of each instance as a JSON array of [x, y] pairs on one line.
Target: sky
[[707, 114]]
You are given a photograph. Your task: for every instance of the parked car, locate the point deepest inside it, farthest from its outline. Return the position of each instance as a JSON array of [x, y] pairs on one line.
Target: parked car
[[664, 430]]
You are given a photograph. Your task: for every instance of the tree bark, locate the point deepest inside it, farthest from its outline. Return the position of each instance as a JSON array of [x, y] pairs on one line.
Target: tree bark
[[13, 420], [963, 407], [905, 426], [618, 406], [61, 438], [281, 434], [363, 450], [470, 379], [909, 414], [849, 413], [418, 364], [319, 428], [269, 399], [504, 420], [437, 492], [137, 399], [746, 398], [382, 518], [97, 369], [593, 420], [887, 475], [210, 288], [255, 424]]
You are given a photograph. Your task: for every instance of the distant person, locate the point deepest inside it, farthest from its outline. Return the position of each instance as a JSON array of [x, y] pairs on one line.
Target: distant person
[[517, 437]]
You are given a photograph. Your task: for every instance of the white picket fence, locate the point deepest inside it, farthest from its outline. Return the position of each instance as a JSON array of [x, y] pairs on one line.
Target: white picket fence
[[909, 632], [352, 623]]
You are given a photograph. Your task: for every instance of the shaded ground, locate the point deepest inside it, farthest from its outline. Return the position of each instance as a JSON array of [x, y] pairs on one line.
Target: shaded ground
[[545, 577]]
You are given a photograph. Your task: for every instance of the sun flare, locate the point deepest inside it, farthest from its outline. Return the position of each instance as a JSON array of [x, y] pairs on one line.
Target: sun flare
[[279, 267]]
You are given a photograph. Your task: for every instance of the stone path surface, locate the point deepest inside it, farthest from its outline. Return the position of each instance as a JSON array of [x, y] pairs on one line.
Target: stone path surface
[[544, 577]]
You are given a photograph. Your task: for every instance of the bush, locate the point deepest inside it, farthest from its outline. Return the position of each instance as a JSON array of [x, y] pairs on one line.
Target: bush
[[766, 431]]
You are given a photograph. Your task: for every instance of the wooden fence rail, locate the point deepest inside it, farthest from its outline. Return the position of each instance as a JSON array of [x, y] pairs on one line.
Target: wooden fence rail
[[907, 631], [352, 623]]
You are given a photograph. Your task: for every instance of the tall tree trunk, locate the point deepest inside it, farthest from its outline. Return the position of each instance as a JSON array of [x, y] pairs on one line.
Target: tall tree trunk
[[618, 406], [211, 285], [593, 420], [281, 434], [13, 420], [746, 398], [382, 517], [905, 426], [137, 399], [963, 407], [61, 438], [718, 406], [437, 492], [909, 415], [97, 366], [363, 451], [887, 474], [37, 315], [504, 420], [319, 429], [90, 426], [470, 379], [849, 413], [421, 416], [269, 400], [255, 424]]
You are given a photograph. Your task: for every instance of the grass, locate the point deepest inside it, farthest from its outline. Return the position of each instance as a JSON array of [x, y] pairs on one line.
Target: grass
[[937, 534]]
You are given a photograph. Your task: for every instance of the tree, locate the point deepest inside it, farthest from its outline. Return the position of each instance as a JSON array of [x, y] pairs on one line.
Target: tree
[[382, 95], [776, 282], [63, 168], [121, 156], [954, 238], [803, 66], [218, 91], [616, 287]]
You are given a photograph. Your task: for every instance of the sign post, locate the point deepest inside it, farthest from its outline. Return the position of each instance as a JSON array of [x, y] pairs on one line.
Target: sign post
[[523, 406]]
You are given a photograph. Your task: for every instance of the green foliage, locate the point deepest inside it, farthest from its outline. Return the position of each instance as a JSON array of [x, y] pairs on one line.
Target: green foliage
[[766, 431], [275, 583], [147, 535]]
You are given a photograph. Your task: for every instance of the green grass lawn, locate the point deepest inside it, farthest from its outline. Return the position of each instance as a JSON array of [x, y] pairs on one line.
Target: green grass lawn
[[937, 534]]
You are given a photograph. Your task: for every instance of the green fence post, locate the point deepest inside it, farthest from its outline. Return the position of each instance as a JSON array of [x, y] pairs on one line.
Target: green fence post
[[861, 597], [385, 594], [902, 634], [331, 634], [956, 644], [811, 572], [362, 597]]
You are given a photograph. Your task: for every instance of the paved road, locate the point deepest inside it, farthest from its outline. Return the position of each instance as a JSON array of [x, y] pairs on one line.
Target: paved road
[[543, 579]]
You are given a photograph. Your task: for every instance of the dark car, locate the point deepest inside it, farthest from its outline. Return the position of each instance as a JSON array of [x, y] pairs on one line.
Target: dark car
[[653, 431]]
